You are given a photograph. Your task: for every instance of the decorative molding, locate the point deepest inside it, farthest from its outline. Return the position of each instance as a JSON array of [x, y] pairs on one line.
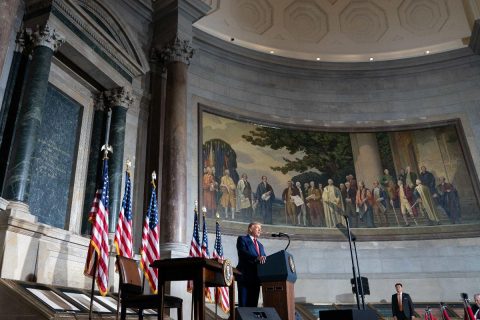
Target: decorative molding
[[120, 96], [306, 21], [363, 21], [423, 16], [79, 20], [177, 50], [253, 15], [47, 36]]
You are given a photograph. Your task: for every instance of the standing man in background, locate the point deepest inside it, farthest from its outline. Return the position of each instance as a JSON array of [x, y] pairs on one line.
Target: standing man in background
[[250, 254], [402, 305], [265, 197], [476, 306]]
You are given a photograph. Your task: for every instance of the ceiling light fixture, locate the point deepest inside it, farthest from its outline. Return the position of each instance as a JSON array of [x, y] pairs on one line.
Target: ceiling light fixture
[[427, 52], [271, 51], [318, 59], [371, 59]]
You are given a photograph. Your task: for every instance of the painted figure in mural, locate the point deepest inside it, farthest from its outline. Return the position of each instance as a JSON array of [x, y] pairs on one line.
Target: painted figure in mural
[[302, 210], [379, 204], [350, 206], [428, 180], [332, 205], [392, 192], [425, 202], [386, 178], [364, 201], [449, 200], [209, 188], [402, 176], [405, 199], [343, 192], [353, 183], [244, 201], [265, 197], [228, 199], [314, 203], [306, 186], [292, 200], [410, 178]]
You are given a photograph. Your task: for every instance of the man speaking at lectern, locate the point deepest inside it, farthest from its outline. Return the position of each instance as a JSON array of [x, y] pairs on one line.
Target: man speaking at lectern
[[250, 254]]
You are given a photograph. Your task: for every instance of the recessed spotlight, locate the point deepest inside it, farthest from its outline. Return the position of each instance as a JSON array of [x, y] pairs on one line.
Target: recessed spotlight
[[271, 51], [427, 52], [371, 59], [318, 59]]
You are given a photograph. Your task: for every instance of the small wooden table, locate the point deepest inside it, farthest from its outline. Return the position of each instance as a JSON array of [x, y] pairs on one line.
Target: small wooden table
[[203, 272]]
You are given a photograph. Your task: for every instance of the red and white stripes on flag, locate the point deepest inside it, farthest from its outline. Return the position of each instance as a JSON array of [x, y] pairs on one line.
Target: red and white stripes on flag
[[123, 233], [150, 242], [221, 293], [195, 247], [206, 254], [99, 238]]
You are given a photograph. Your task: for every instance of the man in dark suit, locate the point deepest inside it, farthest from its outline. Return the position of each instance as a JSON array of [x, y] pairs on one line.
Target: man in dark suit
[[402, 306], [476, 306], [265, 197], [250, 254]]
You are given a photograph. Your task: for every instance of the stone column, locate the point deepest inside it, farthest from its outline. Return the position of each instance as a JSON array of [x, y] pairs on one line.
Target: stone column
[[176, 57], [9, 10], [45, 40], [94, 160], [119, 99], [11, 98], [366, 157]]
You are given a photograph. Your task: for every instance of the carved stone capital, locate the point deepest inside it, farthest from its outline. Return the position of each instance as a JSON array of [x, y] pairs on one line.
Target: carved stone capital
[[120, 96], [99, 103], [177, 50], [48, 37]]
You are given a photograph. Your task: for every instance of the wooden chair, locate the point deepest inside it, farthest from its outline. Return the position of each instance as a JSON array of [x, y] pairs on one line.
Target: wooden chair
[[131, 295]]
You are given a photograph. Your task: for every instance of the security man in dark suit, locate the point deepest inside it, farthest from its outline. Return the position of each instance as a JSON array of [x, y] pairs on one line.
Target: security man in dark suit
[[250, 254], [402, 306], [476, 306]]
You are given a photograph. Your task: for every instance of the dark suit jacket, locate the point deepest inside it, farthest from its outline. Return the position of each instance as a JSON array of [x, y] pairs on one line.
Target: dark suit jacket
[[475, 309], [248, 260], [406, 303]]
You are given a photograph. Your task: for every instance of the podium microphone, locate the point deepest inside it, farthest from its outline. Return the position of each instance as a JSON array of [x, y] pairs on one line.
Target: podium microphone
[[280, 235]]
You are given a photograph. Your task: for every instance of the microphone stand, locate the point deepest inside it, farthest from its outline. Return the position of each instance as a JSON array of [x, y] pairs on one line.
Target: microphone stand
[[288, 237], [281, 234], [353, 263], [362, 293]]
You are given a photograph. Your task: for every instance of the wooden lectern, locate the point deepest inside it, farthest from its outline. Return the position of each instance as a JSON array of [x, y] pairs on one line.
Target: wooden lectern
[[278, 276], [203, 272]]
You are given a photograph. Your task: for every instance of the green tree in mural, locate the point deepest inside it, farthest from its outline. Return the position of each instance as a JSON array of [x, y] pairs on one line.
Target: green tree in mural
[[329, 153]]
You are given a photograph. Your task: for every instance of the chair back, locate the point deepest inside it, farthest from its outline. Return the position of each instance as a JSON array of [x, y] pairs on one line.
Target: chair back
[[130, 281]]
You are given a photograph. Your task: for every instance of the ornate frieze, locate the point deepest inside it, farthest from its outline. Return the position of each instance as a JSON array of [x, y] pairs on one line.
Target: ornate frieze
[[120, 96], [177, 50], [48, 37]]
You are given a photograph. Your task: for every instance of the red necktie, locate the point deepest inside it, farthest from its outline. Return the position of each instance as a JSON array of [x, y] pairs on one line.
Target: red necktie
[[256, 246]]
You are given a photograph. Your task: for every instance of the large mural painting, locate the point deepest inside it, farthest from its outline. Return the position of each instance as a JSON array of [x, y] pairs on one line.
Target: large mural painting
[[312, 178]]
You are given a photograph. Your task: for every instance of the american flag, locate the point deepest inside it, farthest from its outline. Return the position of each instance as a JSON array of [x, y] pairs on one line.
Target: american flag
[[123, 234], [94, 208], [206, 254], [150, 244], [99, 239], [195, 247], [221, 293]]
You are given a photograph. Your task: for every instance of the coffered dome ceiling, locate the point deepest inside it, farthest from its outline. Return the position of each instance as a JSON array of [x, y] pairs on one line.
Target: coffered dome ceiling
[[343, 30]]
